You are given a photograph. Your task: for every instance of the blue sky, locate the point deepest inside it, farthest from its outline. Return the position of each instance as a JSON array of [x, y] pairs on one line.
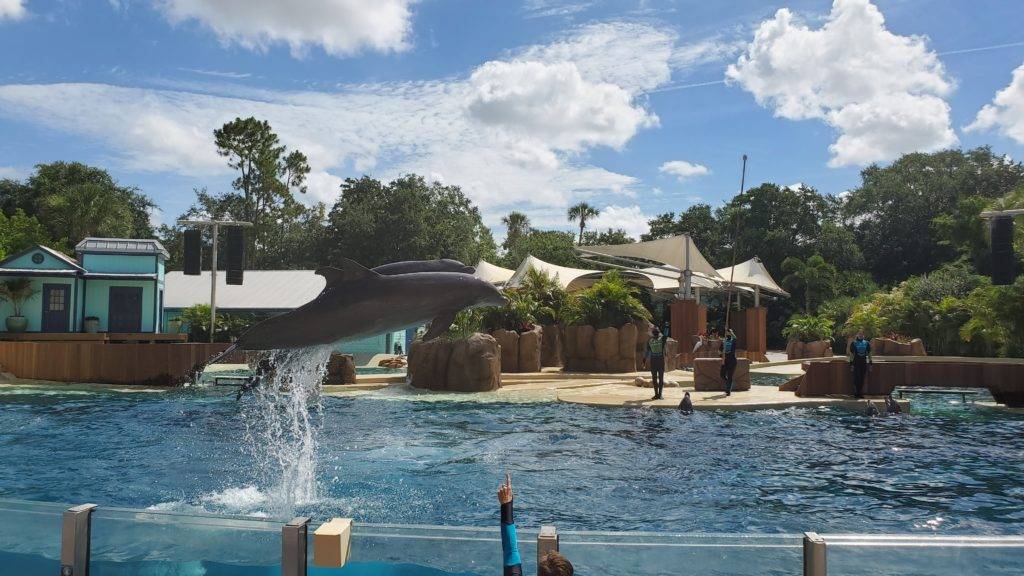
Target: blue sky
[[637, 107]]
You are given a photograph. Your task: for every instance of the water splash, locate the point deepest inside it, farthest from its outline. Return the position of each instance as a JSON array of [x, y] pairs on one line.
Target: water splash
[[282, 422]]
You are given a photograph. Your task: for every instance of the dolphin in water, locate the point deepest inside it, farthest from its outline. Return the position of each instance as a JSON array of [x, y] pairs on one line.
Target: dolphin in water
[[686, 405], [358, 302]]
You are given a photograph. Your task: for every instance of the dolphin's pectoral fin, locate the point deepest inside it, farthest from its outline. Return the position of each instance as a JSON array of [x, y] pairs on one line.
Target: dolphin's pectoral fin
[[439, 325], [350, 270]]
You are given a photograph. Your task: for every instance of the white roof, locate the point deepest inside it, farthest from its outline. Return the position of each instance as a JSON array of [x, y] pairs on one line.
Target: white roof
[[121, 246], [494, 274], [753, 274], [579, 278], [658, 275], [676, 251], [262, 290]]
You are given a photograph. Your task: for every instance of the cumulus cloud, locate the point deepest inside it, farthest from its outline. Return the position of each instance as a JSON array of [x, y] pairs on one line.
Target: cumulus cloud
[[630, 218], [684, 170], [553, 104], [12, 9], [339, 27], [440, 128], [1006, 112], [883, 93]]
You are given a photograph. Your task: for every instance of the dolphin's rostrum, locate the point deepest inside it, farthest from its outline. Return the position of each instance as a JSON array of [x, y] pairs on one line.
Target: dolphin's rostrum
[[358, 302]]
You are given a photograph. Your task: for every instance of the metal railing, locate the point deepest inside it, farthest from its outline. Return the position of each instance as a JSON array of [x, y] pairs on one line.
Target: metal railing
[[616, 552]]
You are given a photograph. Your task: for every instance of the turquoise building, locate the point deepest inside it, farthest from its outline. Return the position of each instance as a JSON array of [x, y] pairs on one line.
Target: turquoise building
[[118, 282]]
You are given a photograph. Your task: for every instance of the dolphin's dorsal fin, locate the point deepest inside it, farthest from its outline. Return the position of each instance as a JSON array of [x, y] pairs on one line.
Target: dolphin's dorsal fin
[[350, 270]]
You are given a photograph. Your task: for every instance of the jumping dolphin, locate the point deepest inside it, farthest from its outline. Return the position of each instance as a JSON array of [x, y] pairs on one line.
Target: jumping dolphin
[[358, 302], [412, 266]]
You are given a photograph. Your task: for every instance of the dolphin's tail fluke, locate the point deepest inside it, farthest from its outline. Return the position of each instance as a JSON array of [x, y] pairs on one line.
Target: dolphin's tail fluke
[[223, 354]]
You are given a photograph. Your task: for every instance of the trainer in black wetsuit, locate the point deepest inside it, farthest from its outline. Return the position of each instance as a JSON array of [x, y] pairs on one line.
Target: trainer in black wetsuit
[[654, 354], [728, 360], [860, 358], [512, 565]]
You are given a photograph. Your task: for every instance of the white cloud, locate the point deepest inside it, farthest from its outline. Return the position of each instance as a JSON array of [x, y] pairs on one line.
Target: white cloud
[[11, 172], [384, 129], [12, 9], [553, 104], [881, 92], [630, 218], [340, 27], [707, 51], [1006, 112], [546, 8], [684, 170]]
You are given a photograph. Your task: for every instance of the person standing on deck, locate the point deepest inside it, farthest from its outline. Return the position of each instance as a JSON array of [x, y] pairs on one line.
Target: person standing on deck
[[654, 357], [728, 359], [860, 359]]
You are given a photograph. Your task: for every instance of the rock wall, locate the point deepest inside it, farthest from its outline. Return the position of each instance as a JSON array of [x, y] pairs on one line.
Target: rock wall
[[610, 350], [888, 347], [551, 346], [707, 376], [341, 369], [469, 365], [520, 351], [796, 350]]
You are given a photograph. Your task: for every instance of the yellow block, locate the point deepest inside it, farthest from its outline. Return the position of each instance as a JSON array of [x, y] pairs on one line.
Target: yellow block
[[331, 543]]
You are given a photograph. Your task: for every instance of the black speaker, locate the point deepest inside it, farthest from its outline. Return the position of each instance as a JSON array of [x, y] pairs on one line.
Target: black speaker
[[1003, 260], [236, 254], [193, 252]]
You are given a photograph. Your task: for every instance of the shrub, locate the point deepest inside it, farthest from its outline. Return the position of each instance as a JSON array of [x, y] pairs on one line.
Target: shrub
[[517, 315], [548, 296], [610, 302], [807, 328], [230, 325]]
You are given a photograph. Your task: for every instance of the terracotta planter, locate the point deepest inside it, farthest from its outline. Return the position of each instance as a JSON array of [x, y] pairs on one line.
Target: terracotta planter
[[16, 323], [174, 326]]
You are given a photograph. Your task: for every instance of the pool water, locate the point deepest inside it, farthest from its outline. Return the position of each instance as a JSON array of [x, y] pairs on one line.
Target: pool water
[[405, 458]]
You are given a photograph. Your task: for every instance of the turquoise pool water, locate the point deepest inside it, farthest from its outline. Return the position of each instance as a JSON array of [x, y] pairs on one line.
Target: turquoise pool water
[[393, 458]]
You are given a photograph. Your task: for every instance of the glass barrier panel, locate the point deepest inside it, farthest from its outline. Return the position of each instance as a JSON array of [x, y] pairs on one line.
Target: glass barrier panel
[[657, 554], [890, 555], [129, 542], [30, 537], [404, 550]]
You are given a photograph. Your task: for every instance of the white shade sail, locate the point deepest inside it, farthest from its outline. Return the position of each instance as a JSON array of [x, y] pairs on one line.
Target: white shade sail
[[494, 274], [751, 274], [571, 279], [679, 252]]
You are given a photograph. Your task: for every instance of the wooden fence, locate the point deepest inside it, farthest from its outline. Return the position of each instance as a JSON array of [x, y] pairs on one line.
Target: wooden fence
[[159, 364]]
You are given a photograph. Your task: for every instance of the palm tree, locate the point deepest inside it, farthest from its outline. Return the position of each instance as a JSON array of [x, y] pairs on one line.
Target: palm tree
[[582, 212], [815, 277], [517, 224]]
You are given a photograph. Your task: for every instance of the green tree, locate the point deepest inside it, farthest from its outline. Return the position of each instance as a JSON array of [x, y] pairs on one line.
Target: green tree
[[406, 219], [901, 213], [550, 246], [581, 213], [517, 225], [814, 279], [608, 236], [699, 221], [72, 200], [19, 232], [268, 175]]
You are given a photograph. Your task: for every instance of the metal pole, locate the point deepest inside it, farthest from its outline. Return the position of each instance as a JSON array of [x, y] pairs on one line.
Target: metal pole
[[687, 273], [547, 541], [294, 546], [735, 234], [815, 560], [74, 540], [213, 282]]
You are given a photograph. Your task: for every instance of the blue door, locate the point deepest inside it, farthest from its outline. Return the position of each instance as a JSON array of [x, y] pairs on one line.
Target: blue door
[[125, 309], [55, 308]]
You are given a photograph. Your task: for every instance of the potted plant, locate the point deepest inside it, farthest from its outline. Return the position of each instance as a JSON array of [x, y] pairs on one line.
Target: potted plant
[[91, 324], [17, 291], [174, 325], [809, 336]]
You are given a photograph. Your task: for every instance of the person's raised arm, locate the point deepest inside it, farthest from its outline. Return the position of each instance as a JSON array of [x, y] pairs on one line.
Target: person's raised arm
[[512, 564]]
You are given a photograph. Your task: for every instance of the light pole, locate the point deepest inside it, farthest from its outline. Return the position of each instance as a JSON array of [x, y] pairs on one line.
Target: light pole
[[214, 225]]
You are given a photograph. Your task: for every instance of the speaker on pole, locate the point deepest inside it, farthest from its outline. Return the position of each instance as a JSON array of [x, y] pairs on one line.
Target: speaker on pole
[[193, 252], [1003, 260], [235, 255]]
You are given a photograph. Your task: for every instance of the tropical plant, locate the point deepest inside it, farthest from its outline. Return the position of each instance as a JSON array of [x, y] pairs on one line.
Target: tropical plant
[[230, 325], [814, 278], [517, 225], [466, 323], [547, 294], [808, 328], [610, 302], [581, 213], [17, 291], [517, 315]]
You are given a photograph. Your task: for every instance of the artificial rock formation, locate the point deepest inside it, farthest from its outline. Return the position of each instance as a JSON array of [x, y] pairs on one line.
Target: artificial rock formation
[[341, 369], [611, 350], [796, 350], [551, 346], [707, 376], [508, 340], [520, 351], [469, 365], [889, 347]]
